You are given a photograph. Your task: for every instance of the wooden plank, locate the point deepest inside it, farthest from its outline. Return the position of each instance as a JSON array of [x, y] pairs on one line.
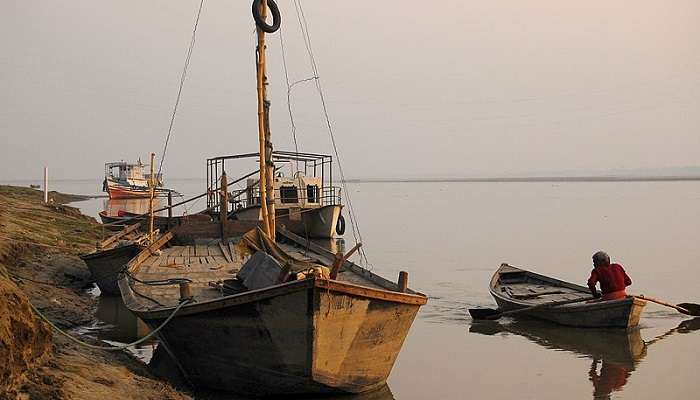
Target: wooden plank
[[126, 231], [133, 265], [232, 251], [224, 252]]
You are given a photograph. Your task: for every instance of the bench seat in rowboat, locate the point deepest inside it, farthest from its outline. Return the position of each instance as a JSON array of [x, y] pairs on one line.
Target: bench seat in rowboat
[[515, 288]]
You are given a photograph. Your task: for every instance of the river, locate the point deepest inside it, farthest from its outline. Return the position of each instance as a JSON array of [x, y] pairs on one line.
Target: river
[[451, 237]]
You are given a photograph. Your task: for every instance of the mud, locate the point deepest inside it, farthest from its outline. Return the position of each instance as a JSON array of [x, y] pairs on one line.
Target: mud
[[39, 263]]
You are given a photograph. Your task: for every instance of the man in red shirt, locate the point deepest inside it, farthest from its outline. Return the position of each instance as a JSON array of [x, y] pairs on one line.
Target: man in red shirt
[[612, 277]]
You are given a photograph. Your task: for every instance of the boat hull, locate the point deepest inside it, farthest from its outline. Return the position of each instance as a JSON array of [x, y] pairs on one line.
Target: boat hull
[[318, 222], [120, 191], [296, 338], [623, 313], [105, 266]]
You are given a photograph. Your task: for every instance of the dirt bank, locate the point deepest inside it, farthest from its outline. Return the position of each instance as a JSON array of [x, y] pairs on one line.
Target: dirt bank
[[39, 247]]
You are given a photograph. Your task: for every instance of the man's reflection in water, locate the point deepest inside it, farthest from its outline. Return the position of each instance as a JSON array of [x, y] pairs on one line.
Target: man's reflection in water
[[611, 378], [615, 353]]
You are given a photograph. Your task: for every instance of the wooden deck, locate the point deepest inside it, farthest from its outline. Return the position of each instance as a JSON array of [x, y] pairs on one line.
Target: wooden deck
[[210, 261]]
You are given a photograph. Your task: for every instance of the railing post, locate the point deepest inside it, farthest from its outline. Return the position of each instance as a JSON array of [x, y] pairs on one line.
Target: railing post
[[223, 206], [170, 207]]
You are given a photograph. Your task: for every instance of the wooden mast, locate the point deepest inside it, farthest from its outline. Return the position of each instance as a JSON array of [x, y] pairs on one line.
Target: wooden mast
[[267, 193], [151, 187]]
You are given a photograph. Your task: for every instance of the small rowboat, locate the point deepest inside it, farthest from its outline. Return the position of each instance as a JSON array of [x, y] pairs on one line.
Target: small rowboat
[[514, 288]]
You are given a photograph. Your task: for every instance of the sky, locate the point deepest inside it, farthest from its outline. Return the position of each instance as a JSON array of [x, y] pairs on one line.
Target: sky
[[413, 89]]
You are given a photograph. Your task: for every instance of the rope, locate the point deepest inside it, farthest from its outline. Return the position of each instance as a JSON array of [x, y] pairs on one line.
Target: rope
[[110, 348], [95, 347], [182, 82], [307, 42]]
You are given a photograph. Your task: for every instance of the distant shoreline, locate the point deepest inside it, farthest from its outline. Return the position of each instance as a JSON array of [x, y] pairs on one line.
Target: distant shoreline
[[533, 179]]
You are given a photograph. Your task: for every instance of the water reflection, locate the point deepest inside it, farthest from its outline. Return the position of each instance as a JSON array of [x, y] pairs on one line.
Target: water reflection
[[135, 206], [163, 366], [614, 354], [118, 326]]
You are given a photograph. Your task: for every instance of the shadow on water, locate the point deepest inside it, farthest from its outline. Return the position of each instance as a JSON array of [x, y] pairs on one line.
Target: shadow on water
[[165, 368], [117, 325], [614, 354]]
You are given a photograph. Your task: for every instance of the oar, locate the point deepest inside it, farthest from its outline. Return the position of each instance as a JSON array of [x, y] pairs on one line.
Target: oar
[[684, 308], [490, 313]]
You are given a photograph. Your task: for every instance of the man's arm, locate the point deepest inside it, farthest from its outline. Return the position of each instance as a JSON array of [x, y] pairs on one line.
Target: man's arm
[[628, 281], [592, 282]]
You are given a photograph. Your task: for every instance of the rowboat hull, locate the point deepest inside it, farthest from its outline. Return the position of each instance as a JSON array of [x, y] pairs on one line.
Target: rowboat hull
[[303, 337], [622, 313], [105, 266], [320, 222]]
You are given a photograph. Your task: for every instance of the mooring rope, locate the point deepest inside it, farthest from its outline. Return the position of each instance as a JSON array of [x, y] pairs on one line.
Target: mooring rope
[[95, 347]]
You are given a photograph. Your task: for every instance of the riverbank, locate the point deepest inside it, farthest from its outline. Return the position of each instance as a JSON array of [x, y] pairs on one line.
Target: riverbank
[[39, 263]]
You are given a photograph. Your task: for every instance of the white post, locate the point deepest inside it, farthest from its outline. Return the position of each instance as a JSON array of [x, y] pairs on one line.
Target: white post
[[46, 184]]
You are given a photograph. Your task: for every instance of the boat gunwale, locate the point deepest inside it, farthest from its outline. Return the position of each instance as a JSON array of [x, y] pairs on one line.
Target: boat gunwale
[[334, 286]]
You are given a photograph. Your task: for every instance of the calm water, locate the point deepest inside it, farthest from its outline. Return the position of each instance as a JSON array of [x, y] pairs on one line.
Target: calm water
[[450, 237]]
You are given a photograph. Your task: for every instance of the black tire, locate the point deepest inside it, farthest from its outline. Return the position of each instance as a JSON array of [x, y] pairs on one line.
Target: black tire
[[340, 225], [261, 23]]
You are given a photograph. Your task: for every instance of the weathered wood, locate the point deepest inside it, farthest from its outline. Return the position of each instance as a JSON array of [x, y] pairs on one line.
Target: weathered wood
[[224, 252], [340, 260], [148, 251], [403, 281], [223, 205], [124, 232]]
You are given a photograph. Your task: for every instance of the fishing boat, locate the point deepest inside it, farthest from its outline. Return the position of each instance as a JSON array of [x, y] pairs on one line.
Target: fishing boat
[[250, 307], [306, 201], [111, 255], [125, 180], [514, 288]]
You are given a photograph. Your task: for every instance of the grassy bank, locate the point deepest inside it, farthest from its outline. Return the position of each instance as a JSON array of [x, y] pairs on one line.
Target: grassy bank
[[39, 263]]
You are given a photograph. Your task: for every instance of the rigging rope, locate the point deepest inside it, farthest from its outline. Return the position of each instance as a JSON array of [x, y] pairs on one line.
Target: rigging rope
[[301, 17], [182, 82]]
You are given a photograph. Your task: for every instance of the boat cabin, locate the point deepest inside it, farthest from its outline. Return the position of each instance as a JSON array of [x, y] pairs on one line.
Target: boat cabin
[[302, 180], [129, 173]]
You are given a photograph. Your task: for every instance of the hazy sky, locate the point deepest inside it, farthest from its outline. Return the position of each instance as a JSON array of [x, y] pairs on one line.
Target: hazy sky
[[414, 89]]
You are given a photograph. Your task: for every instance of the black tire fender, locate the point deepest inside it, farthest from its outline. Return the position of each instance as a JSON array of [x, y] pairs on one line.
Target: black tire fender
[[260, 22], [340, 225]]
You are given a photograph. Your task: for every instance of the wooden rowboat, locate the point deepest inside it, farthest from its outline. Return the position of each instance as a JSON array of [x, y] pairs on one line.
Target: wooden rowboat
[[111, 256], [304, 336], [514, 288]]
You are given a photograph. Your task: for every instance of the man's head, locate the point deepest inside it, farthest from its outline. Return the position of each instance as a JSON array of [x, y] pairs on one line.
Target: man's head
[[601, 259]]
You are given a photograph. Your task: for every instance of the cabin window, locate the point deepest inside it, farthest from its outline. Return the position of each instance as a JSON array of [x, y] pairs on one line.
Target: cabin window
[[312, 193], [288, 194]]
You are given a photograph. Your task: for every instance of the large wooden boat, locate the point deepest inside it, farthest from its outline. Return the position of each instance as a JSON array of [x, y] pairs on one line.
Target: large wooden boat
[[251, 307], [111, 256], [309, 335], [514, 288]]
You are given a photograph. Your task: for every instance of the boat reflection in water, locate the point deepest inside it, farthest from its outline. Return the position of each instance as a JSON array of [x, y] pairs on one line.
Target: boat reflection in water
[[163, 366], [119, 325], [614, 354], [134, 206]]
